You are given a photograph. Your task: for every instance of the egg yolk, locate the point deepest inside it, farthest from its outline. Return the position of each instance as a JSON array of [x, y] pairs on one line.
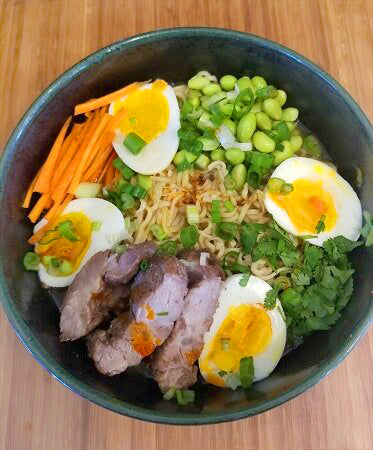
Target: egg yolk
[[306, 205], [147, 111], [142, 339], [62, 248], [246, 331]]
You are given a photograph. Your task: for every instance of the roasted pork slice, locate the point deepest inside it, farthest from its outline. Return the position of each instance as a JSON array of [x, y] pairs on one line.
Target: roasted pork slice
[[173, 363], [157, 299], [121, 269], [89, 299]]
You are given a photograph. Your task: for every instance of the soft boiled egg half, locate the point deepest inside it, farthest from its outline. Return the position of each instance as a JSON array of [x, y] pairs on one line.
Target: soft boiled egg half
[[242, 327], [319, 194], [152, 114], [86, 226]]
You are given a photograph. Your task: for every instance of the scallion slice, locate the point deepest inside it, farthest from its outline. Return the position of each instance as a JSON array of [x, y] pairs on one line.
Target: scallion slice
[[229, 206], [139, 192], [134, 143], [31, 261], [125, 171], [128, 201], [170, 394], [192, 214], [167, 248], [96, 226], [215, 211], [184, 396], [189, 236], [158, 232], [246, 372]]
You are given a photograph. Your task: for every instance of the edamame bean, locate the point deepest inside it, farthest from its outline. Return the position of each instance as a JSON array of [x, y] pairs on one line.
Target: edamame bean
[[286, 153], [231, 125], [258, 82], [263, 143], [227, 82], [218, 155], [246, 127], [193, 93], [281, 97], [290, 114], [272, 109], [257, 107], [296, 142], [244, 83], [263, 121], [198, 82], [235, 156], [211, 89], [209, 144], [239, 174], [229, 182], [291, 125]]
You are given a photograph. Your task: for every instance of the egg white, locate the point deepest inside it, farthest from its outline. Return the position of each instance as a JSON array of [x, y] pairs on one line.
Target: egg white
[[346, 202], [112, 231], [232, 294], [157, 154]]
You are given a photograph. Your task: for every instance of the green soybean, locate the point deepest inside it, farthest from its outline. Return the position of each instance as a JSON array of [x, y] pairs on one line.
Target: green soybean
[[209, 144], [239, 174], [227, 82], [263, 122], [218, 155], [202, 162], [229, 182], [258, 82], [195, 102], [244, 83], [231, 125], [263, 143], [211, 89], [193, 93], [290, 114], [193, 97], [296, 142], [291, 125], [246, 127], [286, 153], [272, 109], [235, 156], [198, 82], [257, 107], [281, 97]]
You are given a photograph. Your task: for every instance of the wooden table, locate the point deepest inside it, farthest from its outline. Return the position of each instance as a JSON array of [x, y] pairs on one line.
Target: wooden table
[[38, 41]]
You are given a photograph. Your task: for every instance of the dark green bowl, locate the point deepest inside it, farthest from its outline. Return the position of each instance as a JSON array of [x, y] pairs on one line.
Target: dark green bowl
[[175, 55]]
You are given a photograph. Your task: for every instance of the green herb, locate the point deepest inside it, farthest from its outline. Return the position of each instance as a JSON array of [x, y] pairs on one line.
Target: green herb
[[367, 230], [66, 230], [311, 145], [158, 232], [246, 372], [139, 192], [192, 214], [163, 313], [320, 227], [144, 265], [170, 394], [222, 373], [244, 280], [266, 92], [184, 396], [226, 231], [184, 166], [31, 261], [96, 226], [125, 171], [283, 131], [281, 312], [167, 248], [215, 211], [189, 236], [229, 206], [270, 298], [134, 143], [243, 103]]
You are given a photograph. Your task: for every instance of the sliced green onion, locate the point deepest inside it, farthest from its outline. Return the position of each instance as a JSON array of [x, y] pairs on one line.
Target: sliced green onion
[[162, 313], [128, 201], [225, 343], [239, 268], [128, 189], [184, 396], [192, 214], [158, 232], [215, 211], [204, 121], [65, 268], [202, 162], [170, 394], [87, 190], [139, 192], [120, 248], [189, 236], [287, 188], [222, 373], [66, 229], [187, 134], [31, 261], [134, 143], [291, 297], [229, 206], [229, 259], [246, 372], [226, 230], [190, 157], [184, 166], [275, 185], [144, 182], [144, 265], [167, 248], [125, 171], [96, 225], [282, 283], [215, 98]]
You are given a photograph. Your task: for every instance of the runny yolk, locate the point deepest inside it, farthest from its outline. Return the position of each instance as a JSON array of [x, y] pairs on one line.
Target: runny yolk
[[64, 249], [142, 339], [246, 331], [147, 111], [306, 204], [149, 312]]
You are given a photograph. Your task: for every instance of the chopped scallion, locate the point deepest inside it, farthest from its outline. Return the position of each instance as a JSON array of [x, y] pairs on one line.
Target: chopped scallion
[[158, 232], [134, 143], [96, 226], [189, 236], [167, 248], [229, 206], [125, 171], [215, 211], [31, 261], [128, 201], [184, 396], [139, 192], [170, 394], [192, 214], [246, 372]]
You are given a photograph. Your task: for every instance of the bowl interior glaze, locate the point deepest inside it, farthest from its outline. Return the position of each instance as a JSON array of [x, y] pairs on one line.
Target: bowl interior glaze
[[175, 55]]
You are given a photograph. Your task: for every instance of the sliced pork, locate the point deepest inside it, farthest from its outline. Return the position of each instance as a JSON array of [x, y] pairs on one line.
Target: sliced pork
[[121, 269], [157, 299], [173, 364], [89, 299]]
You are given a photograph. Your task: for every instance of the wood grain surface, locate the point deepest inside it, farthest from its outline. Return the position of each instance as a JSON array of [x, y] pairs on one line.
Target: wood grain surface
[[39, 40]]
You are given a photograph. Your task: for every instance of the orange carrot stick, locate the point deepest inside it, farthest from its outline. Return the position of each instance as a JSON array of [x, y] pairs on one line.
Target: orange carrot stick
[[43, 182], [99, 161], [38, 208], [116, 176], [106, 99], [107, 168], [35, 238], [103, 141], [109, 175], [30, 191], [82, 164]]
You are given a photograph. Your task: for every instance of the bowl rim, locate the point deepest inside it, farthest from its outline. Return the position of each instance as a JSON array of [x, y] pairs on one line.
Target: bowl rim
[[29, 339]]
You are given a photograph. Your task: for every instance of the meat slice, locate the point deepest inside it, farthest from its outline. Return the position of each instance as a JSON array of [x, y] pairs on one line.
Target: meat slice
[[121, 269], [157, 299], [173, 363], [88, 299]]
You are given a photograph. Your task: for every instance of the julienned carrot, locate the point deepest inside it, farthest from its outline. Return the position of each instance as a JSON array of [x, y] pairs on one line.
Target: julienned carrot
[[38, 208], [102, 142], [98, 162], [35, 238], [44, 179], [30, 191], [109, 175], [106, 168], [117, 176], [82, 164], [117, 119], [106, 99]]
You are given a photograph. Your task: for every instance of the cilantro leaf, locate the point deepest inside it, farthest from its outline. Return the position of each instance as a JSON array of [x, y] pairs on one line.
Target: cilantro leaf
[[244, 279], [320, 227], [270, 298], [336, 247], [300, 278], [367, 230], [313, 255]]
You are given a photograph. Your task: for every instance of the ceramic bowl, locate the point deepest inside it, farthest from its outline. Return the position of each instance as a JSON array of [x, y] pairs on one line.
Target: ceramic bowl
[[175, 55]]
